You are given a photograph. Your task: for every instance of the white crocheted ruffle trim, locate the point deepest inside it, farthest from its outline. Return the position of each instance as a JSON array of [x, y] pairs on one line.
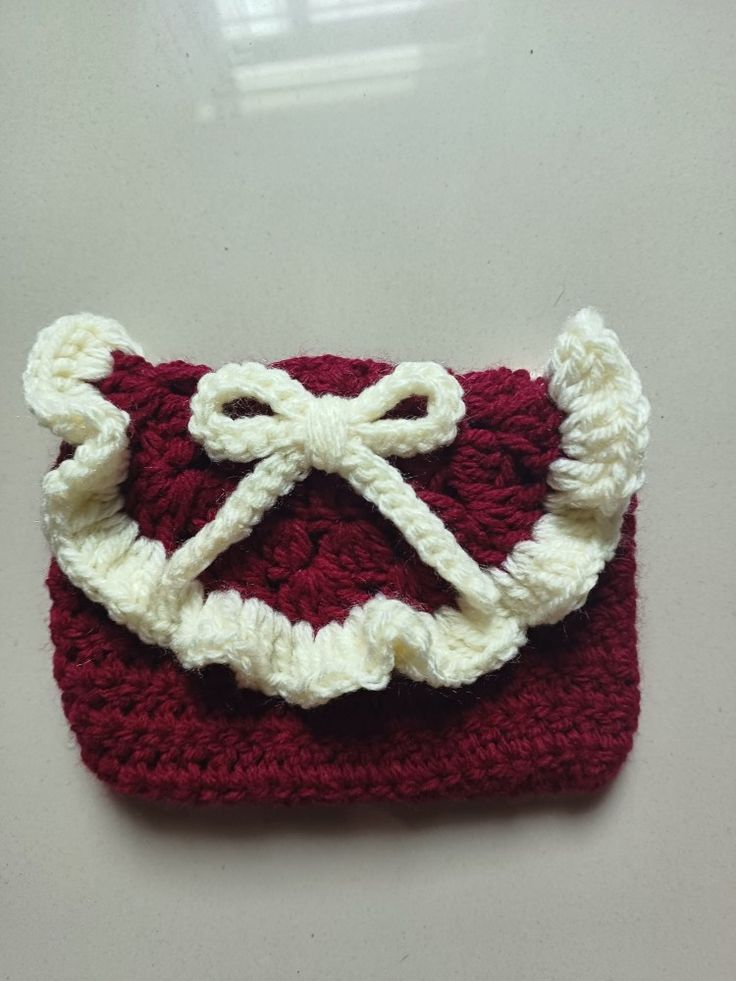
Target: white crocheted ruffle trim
[[100, 548]]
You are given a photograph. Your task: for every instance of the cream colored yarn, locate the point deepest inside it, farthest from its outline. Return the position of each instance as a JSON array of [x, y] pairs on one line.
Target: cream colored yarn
[[100, 549]]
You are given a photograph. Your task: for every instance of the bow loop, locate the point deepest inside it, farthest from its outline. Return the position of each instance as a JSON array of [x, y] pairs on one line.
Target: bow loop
[[249, 438], [410, 437]]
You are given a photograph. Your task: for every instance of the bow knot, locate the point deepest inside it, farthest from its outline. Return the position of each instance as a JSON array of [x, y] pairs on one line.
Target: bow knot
[[320, 429], [326, 432]]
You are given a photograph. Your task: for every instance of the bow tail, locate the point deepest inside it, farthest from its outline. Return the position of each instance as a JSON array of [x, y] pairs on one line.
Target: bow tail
[[271, 478], [375, 479]]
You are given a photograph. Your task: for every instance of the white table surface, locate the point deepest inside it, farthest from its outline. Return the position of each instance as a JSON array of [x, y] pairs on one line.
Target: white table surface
[[410, 179]]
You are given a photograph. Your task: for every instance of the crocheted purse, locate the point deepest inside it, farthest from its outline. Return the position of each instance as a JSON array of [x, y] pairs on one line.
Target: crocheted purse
[[336, 579]]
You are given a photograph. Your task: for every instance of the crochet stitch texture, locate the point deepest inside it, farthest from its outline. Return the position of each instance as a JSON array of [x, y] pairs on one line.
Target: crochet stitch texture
[[494, 461]]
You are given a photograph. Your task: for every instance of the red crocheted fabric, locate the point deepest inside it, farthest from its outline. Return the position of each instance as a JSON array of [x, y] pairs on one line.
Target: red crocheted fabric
[[560, 716]]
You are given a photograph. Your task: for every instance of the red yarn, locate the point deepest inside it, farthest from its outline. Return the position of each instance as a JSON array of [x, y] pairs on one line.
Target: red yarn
[[559, 717]]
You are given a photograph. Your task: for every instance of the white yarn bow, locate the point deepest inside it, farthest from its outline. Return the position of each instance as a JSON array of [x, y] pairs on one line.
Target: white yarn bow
[[347, 436]]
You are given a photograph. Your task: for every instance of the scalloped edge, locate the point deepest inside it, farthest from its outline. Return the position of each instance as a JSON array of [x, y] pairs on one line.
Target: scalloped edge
[[603, 441]]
